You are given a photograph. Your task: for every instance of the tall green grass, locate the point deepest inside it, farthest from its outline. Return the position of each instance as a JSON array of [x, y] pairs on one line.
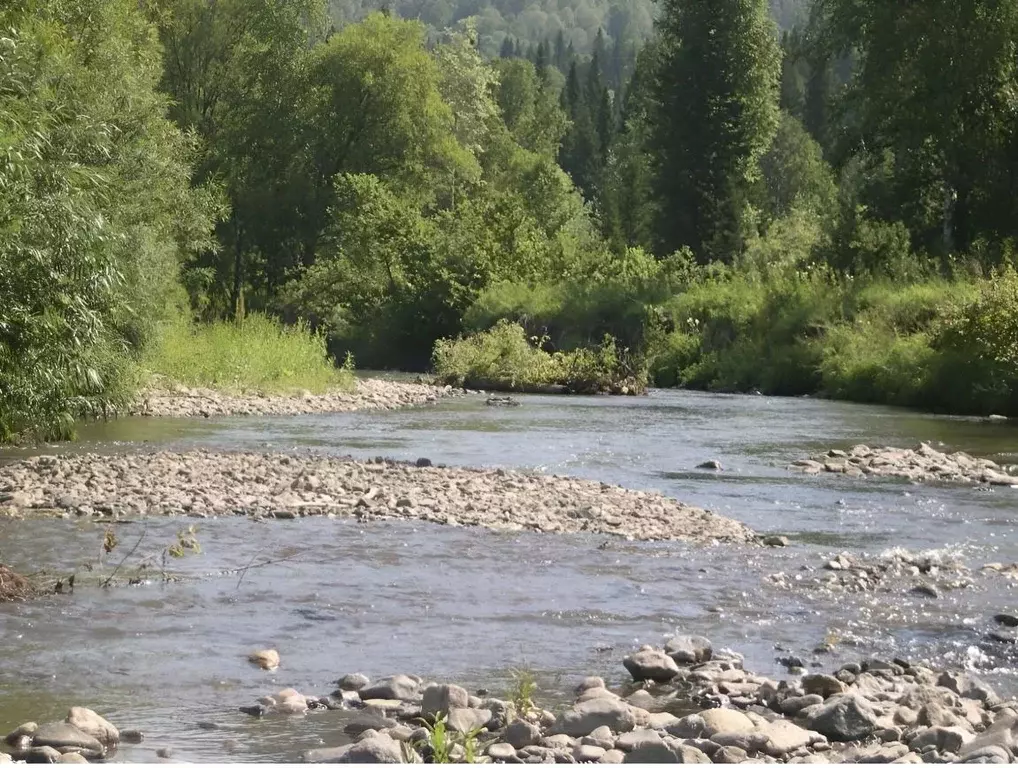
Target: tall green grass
[[256, 353], [946, 345]]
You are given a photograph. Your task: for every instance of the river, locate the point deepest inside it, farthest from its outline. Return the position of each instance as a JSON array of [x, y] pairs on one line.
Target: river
[[469, 605]]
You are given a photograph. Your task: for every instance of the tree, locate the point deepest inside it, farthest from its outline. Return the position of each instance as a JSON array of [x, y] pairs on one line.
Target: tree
[[467, 83], [528, 108], [626, 202], [234, 70], [935, 83], [96, 209], [795, 174], [716, 112], [375, 107]]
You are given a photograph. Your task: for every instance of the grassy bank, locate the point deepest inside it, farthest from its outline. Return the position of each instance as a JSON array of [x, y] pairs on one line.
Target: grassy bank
[[945, 345], [503, 358], [780, 321], [257, 353]]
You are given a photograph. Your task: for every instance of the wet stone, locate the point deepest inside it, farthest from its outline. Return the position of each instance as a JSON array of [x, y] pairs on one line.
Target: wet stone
[[651, 665]]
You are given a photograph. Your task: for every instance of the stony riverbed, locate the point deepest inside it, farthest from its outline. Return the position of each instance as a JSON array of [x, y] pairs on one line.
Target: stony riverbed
[[378, 394], [686, 702], [206, 483], [924, 464]]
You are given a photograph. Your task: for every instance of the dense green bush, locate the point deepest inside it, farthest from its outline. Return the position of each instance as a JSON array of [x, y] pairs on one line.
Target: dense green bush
[[96, 209], [505, 358]]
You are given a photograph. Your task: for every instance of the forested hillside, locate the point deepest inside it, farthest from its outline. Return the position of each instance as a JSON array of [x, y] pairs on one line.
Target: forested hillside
[[724, 207]]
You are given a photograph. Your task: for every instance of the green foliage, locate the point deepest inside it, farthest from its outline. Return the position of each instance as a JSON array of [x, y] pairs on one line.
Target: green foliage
[[616, 296], [521, 694], [934, 84], [256, 353], [504, 358], [715, 115], [578, 21], [788, 326], [96, 209], [794, 172], [986, 325], [446, 746]]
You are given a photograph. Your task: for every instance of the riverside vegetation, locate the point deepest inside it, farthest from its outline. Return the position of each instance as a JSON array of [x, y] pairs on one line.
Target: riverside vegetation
[[385, 184]]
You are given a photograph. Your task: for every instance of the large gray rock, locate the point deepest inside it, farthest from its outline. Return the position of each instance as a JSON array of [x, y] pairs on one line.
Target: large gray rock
[[588, 753], [43, 754], [522, 734], [1003, 734], [64, 737], [784, 737], [937, 714], [844, 718], [968, 687], [583, 718], [627, 742], [501, 752], [666, 751], [822, 685], [795, 704], [652, 665], [21, 735], [945, 739], [72, 757], [748, 742], [688, 727], [467, 719], [988, 755], [874, 753], [379, 748], [396, 687], [96, 726], [439, 699], [353, 682], [725, 721], [689, 649]]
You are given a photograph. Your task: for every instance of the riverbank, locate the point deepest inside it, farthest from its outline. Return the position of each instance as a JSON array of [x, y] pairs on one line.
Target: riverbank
[[684, 702], [205, 484], [180, 401], [873, 711]]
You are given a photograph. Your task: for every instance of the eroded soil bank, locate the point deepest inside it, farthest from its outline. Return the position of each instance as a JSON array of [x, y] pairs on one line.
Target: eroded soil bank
[[209, 483]]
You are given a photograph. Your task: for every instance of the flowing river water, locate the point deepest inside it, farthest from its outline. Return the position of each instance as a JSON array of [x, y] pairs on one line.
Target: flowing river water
[[469, 605]]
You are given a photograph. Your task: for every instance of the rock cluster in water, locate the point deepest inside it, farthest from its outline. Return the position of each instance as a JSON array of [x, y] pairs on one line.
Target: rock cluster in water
[[205, 483], [922, 465], [923, 574], [82, 736], [377, 394], [870, 711]]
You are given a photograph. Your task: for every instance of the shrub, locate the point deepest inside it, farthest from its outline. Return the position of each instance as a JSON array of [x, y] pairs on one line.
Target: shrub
[[504, 358]]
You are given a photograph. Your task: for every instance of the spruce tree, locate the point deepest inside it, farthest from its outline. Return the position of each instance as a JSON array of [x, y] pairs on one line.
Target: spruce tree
[[716, 112]]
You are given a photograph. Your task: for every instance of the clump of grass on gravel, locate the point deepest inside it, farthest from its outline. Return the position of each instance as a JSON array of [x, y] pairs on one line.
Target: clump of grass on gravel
[[256, 353]]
